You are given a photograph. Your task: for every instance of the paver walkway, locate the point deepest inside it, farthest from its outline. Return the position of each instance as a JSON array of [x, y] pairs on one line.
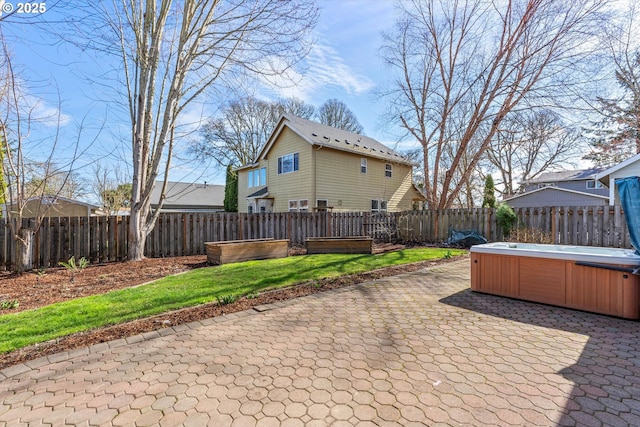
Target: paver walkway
[[416, 349]]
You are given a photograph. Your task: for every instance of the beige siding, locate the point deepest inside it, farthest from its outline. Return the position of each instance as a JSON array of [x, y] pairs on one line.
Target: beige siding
[[329, 174], [243, 190], [295, 185], [282, 188], [340, 181]]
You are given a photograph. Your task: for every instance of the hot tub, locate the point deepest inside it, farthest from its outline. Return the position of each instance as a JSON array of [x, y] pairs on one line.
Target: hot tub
[[552, 274]]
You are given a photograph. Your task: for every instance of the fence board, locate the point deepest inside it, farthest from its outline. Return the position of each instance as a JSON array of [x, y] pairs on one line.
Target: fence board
[[104, 239]]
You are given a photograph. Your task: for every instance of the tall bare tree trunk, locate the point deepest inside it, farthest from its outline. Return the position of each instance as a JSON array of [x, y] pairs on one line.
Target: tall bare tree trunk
[[24, 250], [137, 238]]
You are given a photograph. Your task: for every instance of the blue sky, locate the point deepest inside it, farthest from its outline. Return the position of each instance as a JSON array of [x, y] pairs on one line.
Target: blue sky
[[344, 63]]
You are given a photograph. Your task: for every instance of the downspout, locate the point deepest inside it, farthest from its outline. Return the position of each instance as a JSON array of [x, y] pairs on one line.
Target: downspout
[[314, 187]]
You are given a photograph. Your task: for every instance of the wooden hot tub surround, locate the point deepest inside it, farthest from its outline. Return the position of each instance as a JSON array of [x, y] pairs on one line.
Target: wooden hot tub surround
[[557, 281], [245, 250], [339, 245]]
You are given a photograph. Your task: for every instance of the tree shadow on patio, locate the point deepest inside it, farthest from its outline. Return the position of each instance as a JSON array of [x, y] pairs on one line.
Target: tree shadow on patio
[[605, 376]]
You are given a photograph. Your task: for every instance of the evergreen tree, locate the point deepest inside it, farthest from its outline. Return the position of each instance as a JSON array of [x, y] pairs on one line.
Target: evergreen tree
[[231, 191], [489, 200], [617, 137]]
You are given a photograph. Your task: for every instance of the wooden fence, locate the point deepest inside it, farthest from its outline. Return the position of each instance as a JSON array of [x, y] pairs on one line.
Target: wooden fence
[[104, 239]]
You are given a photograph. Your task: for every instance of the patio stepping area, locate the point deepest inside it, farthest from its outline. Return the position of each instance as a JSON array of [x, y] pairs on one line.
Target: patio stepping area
[[415, 349]]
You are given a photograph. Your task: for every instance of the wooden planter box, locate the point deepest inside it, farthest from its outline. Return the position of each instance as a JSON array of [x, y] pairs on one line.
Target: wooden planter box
[[245, 250], [557, 282], [339, 245]]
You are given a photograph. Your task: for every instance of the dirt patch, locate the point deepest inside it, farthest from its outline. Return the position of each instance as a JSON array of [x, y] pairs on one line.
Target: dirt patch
[[34, 290]]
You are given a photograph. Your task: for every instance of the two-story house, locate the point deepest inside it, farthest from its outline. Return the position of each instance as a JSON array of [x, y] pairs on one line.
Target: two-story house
[[306, 166], [563, 188]]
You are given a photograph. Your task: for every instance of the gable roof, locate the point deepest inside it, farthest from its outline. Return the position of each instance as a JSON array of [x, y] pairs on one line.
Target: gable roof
[[326, 136], [574, 175], [556, 189], [604, 174], [189, 194], [52, 198]]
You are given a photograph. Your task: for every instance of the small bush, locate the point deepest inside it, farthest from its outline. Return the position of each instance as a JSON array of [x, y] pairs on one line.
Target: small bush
[[9, 305], [73, 267], [226, 299], [506, 218]]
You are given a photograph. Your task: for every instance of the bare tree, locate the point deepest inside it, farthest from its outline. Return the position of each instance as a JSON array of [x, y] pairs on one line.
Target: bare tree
[[171, 52], [336, 114], [112, 187], [243, 127], [529, 143], [297, 107], [463, 66], [22, 181]]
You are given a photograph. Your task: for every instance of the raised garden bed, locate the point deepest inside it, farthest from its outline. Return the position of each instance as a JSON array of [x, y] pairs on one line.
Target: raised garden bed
[[339, 245], [245, 250]]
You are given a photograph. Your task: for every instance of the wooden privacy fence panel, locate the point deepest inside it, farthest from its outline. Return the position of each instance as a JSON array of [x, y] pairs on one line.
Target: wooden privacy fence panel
[[104, 239]]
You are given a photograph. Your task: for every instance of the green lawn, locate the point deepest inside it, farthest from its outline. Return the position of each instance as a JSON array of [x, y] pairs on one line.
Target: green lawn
[[190, 289]]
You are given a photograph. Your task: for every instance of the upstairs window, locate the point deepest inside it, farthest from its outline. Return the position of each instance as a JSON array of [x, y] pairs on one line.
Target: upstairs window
[[593, 184], [288, 163], [363, 165], [546, 184], [257, 178], [388, 170]]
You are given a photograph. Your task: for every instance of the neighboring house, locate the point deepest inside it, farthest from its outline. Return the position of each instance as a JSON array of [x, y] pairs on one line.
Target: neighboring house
[[306, 166], [189, 197], [52, 206], [564, 188], [630, 167]]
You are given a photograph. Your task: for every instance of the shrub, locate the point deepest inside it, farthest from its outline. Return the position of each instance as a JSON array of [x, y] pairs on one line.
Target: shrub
[[506, 218], [73, 267], [9, 305], [226, 299]]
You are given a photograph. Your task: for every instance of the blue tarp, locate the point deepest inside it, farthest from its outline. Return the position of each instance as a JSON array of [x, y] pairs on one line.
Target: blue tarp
[[465, 238], [629, 191]]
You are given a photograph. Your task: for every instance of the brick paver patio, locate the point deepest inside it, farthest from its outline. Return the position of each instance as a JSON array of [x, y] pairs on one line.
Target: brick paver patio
[[416, 349]]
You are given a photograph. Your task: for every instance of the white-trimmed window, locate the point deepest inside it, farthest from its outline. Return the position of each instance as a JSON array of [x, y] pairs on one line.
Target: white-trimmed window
[[257, 178], [363, 165], [250, 207], [593, 184], [303, 205], [288, 163], [388, 170], [322, 203], [293, 206], [378, 205]]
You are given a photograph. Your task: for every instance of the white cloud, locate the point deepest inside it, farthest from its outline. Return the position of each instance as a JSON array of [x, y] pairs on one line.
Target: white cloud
[[46, 114], [324, 68]]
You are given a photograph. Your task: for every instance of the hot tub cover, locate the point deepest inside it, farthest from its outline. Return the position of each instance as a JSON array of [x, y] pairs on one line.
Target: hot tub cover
[[629, 191]]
